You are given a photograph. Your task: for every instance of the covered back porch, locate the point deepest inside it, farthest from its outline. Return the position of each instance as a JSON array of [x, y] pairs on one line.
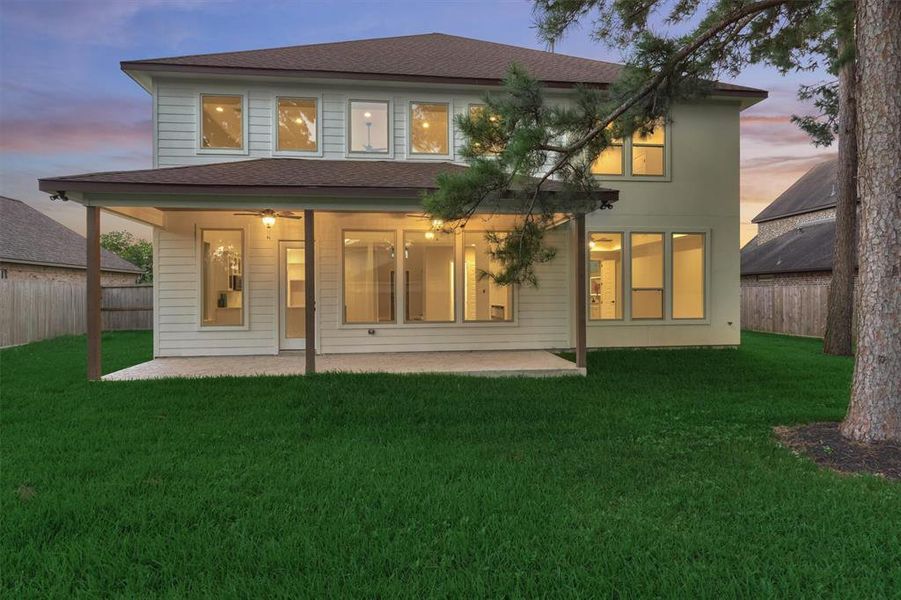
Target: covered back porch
[[332, 204]]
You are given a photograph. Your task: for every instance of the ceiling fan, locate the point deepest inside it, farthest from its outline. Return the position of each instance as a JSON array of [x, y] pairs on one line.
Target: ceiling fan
[[269, 216]]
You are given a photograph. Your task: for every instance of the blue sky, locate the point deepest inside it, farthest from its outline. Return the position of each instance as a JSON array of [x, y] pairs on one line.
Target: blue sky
[[65, 107]]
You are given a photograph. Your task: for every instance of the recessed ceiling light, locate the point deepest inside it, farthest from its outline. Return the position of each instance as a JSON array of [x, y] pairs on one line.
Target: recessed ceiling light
[[298, 120], [425, 125], [367, 114], [219, 109]]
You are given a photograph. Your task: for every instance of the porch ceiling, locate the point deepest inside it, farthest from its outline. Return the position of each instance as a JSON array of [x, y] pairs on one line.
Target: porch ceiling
[[496, 363]]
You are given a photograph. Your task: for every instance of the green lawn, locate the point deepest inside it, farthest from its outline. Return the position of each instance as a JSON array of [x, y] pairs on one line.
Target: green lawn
[[658, 475]]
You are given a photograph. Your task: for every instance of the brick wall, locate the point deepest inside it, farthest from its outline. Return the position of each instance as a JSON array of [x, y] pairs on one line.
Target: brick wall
[[20, 271]]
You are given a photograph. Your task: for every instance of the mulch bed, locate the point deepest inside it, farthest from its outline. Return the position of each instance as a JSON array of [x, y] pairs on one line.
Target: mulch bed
[[823, 443]]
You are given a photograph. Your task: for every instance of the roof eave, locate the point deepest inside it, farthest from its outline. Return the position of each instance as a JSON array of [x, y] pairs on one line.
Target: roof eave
[[132, 68]]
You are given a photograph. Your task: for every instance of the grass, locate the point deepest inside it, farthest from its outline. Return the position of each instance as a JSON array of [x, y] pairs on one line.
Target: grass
[[658, 475]]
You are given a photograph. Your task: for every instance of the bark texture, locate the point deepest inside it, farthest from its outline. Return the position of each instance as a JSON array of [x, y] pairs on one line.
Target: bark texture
[[841, 290], [875, 409]]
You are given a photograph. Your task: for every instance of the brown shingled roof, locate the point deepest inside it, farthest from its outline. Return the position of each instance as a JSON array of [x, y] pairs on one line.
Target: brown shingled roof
[[274, 176], [813, 191], [29, 236], [806, 248], [435, 57]]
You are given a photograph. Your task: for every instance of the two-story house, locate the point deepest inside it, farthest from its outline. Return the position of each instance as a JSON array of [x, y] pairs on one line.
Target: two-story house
[[290, 178]]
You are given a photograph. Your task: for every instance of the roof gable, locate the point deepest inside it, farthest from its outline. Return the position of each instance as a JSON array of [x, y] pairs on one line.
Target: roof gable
[[28, 235], [432, 56], [815, 190]]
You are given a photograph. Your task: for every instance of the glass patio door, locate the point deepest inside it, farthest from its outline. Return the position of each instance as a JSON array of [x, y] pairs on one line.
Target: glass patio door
[[292, 294]]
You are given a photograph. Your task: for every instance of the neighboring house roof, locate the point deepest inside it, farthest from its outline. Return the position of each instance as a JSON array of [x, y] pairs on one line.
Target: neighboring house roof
[[277, 176], [432, 57], [802, 250], [814, 191], [29, 236]]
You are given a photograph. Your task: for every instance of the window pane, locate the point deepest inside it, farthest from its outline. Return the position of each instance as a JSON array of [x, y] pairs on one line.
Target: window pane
[[609, 162], [428, 276], [369, 275], [475, 110], [297, 124], [428, 130], [605, 288], [295, 290], [484, 300], [656, 137], [223, 122], [369, 127], [647, 160], [688, 275], [647, 275], [222, 278]]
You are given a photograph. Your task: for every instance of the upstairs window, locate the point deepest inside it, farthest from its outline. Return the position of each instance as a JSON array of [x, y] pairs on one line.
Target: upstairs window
[[429, 128], [475, 110], [222, 126], [297, 126], [369, 127], [647, 151], [610, 160]]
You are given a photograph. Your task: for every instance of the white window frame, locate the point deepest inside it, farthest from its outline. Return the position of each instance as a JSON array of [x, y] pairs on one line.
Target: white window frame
[[245, 125], [245, 287], [408, 119], [348, 153], [400, 308], [299, 95], [627, 320]]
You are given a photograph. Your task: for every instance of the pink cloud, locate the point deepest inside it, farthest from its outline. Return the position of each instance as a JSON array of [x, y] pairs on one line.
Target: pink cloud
[[772, 129]]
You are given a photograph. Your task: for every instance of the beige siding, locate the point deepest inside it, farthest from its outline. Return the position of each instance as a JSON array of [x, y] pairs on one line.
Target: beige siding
[[542, 314]]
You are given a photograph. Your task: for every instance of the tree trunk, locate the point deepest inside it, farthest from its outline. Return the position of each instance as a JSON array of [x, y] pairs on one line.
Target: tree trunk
[[875, 409], [841, 290]]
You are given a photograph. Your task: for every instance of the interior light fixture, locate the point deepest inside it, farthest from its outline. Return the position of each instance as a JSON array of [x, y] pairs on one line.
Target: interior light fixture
[[367, 114], [219, 109], [592, 244], [298, 120], [425, 125], [268, 222], [430, 235]]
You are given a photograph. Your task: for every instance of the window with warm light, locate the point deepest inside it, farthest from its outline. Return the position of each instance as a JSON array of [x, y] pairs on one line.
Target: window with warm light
[[222, 277], [369, 276], [483, 299], [688, 275], [297, 125], [428, 128], [428, 277], [647, 275], [610, 160], [222, 126], [605, 276], [475, 110], [648, 151], [369, 127]]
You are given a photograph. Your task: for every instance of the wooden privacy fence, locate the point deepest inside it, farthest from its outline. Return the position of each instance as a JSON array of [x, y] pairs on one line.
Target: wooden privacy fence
[[36, 309], [791, 309]]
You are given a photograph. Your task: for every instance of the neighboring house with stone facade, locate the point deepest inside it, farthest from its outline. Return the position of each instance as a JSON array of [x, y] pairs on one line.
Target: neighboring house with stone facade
[[34, 246], [795, 234]]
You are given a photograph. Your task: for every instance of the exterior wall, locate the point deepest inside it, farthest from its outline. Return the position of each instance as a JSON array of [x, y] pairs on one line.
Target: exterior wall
[[703, 196], [769, 230], [699, 193], [542, 315], [24, 271]]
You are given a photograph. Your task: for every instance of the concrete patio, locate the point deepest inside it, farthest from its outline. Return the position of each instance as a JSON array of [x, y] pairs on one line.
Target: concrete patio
[[500, 363]]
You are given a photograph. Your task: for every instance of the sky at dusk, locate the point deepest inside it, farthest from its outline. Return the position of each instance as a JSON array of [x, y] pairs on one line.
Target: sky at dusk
[[65, 107]]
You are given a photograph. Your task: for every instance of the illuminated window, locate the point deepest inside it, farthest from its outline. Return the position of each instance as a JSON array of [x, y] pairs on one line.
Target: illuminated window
[[688, 275], [474, 111], [610, 160], [647, 151], [605, 278], [428, 128], [369, 276], [369, 125], [297, 125], [647, 275], [222, 277], [483, 299], [428, 276], [222, 126]]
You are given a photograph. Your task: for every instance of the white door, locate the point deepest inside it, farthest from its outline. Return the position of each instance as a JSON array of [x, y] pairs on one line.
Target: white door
[[292, 296]]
